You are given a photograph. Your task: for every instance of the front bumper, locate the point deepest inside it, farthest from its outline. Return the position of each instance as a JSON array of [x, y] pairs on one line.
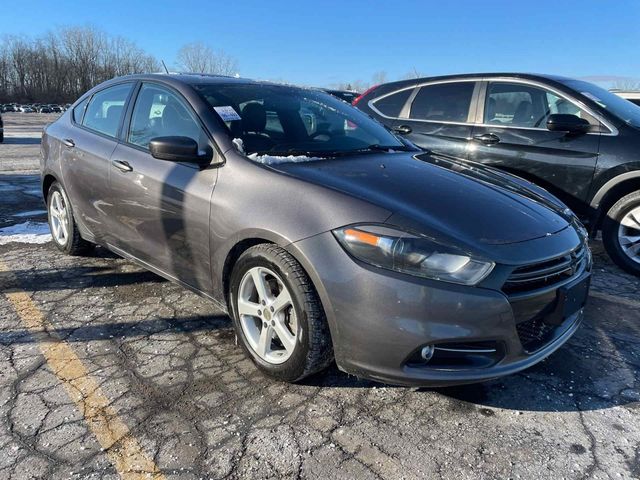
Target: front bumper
[[381, 320]]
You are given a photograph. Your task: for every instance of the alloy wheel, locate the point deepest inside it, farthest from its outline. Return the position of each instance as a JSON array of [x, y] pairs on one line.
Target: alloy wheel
[[267, 315], [59, 215], [629, 234]]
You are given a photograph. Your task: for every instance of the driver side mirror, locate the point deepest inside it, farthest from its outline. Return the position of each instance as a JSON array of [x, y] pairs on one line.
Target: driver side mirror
[[565, 122], [178, 149]]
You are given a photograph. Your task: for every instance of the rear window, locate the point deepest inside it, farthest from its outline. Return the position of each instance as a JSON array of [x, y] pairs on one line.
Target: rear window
[[391, 105], [443, 102], [106, 108]]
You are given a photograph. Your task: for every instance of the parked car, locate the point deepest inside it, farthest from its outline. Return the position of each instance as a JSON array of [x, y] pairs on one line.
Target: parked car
[[26, 109], [632, 95], [45, 109], [346, 95], [571, 137], [322, 238]]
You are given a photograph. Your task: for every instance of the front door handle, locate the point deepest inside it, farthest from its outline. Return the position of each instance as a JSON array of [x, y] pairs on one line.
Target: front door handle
[[402, 129], [487, 138], [122, 165], [69, 143]]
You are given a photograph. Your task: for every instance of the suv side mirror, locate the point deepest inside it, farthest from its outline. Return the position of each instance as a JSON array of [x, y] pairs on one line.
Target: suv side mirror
[[565, 122], [177, 149]]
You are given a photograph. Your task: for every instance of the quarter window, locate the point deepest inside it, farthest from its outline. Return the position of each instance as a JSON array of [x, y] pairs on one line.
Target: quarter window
[[521, 105], [78, 110], [391, 105], [159, 112], [443, 102], [106, 108]]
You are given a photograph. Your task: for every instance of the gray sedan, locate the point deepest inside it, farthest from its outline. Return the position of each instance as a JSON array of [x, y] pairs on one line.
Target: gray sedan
[[322, 234]]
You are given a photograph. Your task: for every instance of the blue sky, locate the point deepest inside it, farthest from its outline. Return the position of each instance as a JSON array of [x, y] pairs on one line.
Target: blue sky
[[320, 43]]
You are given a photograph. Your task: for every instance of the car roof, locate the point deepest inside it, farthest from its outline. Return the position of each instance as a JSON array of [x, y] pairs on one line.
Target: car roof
[[462, 76], [193, 78]]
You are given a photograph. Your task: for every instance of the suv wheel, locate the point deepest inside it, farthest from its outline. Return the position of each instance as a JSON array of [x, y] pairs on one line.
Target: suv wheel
[[62, 224], [277, 314], [621, 233]]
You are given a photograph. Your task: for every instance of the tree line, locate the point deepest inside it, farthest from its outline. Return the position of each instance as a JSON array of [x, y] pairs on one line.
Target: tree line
[[60, 66]]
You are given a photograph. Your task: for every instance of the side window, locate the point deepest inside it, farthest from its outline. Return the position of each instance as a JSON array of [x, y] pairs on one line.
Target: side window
[[78, 110], [443, 102], [391, 106], [106, 108], [521, 105], [159, 112]]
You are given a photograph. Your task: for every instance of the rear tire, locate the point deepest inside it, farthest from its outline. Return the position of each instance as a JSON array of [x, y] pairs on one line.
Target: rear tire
[[621, 233], [307, 332], [62, 224]]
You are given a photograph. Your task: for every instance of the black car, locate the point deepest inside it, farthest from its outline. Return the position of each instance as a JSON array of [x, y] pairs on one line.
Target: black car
[[577, 140], [346, 95]]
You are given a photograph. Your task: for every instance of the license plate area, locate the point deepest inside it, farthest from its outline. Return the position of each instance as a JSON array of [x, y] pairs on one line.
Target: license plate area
[[570, 298]]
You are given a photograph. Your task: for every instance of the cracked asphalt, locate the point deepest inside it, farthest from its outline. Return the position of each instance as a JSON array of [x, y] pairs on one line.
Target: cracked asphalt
[[109, 371]]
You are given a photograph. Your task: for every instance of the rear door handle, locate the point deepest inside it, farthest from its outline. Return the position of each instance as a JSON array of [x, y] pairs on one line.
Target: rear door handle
[[122, 165], [487, 138], [69, 143]]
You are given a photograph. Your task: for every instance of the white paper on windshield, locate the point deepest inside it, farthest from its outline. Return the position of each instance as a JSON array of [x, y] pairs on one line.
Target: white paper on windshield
[[227, 113]]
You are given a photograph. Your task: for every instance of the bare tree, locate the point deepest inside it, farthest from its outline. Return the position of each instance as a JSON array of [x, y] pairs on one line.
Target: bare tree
[[627, 84], [201, 58], [60, 66]]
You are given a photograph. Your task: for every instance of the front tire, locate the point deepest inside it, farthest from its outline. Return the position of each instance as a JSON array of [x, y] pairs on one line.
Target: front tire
[[621, 233], [277, 314], [64, 230]]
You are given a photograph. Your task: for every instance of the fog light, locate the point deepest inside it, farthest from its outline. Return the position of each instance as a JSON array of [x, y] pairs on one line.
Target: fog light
[[427, 352]]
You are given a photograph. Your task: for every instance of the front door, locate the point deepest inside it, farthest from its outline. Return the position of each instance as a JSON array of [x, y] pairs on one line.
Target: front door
[[162, 208], [513, 136]]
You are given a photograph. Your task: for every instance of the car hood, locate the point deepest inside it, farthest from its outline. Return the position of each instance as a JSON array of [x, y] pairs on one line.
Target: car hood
[[441, 196]]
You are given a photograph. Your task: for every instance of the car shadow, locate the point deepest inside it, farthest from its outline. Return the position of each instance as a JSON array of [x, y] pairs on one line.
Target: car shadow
[[21, 141]]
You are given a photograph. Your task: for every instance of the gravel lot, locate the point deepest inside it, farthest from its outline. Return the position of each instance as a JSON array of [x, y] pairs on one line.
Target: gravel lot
[[107, 369]]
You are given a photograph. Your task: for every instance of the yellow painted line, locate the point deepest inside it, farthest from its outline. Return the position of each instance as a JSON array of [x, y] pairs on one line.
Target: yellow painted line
[[124, 451]]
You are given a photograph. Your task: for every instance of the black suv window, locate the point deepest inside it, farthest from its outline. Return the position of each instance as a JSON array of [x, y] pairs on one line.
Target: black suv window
[[106, 108], [391, 105], [443, 102], [522, 105], [159, 112]]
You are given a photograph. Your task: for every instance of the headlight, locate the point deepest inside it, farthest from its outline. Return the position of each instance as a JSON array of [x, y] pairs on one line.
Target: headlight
[[407, 253]]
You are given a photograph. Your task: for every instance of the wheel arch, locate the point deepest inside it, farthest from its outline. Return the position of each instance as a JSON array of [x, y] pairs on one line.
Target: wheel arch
[[47, 181], [611, 192]]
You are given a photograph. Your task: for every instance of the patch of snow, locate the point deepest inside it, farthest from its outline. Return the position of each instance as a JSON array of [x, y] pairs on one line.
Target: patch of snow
[[274, 160], [30, 213], [239, 144], [27, 232]]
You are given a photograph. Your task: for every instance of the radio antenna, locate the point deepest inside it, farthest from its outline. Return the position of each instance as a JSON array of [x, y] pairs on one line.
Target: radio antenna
[[165, 67]]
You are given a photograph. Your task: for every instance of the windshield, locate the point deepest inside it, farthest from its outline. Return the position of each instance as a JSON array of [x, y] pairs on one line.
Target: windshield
[[284, 120], [618, 106]]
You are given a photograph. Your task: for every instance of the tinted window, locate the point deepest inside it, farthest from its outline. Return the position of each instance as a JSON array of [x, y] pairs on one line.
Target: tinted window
[[624, 110], [79, 110], [283, 120], [446, 102], [521, 105], [159, 112], [106, 109], [391, 106]]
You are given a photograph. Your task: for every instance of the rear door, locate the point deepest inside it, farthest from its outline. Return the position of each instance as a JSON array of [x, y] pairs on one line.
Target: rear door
[[160, 208], [511, 134], [438, 116], [87, 148]]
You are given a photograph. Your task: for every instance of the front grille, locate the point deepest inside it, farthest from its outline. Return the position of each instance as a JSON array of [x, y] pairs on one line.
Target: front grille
[[546, 274], [534, 334]]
